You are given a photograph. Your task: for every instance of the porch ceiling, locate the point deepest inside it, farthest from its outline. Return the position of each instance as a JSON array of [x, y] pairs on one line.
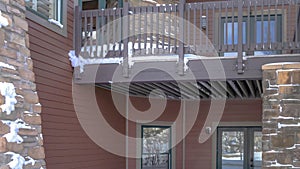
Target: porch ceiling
[[190, 90]]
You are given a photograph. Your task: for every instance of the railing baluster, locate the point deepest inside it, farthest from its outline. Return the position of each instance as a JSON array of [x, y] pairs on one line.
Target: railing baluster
[[78, 30], [85, 33], [102, 33], [121, 45], [262, 25], [290, 24], [269, 25], [240, 66], [220, 25], [194, 25], [188, 7], [97, 34], [213, 38], [91, 35], [226, 26], [125, 39], [175, 28], [255, 27], [144, 11], [169, 28], [248, 25], [276, 23], [181, 38], [157, 27], [297, 23], [133, 34], [207, 28], [151, 26], [232, 26], [114, 32], [163, 11], [108, 35], [282, 11]]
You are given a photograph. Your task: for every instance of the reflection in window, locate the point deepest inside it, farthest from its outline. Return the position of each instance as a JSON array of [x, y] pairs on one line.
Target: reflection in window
[[156, 147], [48, 9], [262, 29], [232, 149]]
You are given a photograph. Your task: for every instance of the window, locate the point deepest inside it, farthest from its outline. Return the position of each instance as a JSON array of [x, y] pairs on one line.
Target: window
[[239, 148], [258, 26], [49, 13], [156, 147]]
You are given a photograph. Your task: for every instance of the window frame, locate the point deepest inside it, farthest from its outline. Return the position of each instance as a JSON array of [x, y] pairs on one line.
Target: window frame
[[247, 145], [139, 136], [170, 154], [280, 28], [35, 17]]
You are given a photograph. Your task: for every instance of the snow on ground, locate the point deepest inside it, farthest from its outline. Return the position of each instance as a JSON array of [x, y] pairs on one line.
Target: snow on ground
[[8, 91]]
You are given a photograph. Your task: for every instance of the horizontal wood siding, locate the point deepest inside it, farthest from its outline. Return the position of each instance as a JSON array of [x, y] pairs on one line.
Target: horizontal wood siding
[[66, 144], [199, 155]]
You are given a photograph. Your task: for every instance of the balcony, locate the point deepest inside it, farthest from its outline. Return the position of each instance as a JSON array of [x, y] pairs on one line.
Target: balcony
[[217, 42]]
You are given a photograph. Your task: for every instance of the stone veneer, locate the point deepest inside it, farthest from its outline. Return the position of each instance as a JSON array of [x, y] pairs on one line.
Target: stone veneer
[[281, 116], [16, 68]]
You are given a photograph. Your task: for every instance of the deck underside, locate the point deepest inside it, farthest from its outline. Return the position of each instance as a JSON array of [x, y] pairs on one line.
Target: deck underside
[[205, 78]]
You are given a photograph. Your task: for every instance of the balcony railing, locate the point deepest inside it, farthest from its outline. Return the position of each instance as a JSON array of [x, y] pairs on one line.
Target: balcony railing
[[225, 28]]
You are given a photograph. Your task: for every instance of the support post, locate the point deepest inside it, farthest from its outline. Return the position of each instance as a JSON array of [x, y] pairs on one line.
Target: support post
[[240, 61], [78, 34], [125, 37], [181, 38]]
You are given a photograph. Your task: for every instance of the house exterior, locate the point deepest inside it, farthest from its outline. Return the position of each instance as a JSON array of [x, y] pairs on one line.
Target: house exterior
[[153, 84]]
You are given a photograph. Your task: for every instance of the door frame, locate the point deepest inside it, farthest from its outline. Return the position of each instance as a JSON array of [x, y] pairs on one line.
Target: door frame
[[228, 124]]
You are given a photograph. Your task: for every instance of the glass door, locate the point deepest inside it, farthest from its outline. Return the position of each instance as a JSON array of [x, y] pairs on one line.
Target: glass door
[[239, 148]]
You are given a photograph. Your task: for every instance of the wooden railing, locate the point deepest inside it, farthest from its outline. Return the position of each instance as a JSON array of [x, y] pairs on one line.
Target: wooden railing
[[236, 27]]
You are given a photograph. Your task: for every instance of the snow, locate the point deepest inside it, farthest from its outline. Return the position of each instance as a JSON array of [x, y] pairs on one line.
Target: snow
[[17, 161], [80, 61], [288, 125], [56, 23], [30, 161], [3, 21], [7, 66], [282, 165], [286, 118], [13, 136], [8, 91]]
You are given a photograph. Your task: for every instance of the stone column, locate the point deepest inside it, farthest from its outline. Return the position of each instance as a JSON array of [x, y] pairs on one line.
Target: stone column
[[281, 115], [21, 141]]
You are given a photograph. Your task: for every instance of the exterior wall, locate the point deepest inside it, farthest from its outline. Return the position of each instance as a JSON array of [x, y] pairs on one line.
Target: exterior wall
[[199, 154], [66, 144], [281, 108], [21, 139]]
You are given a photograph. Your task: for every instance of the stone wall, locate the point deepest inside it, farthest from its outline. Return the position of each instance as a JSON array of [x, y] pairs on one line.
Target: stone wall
[[281, 112], [21, 141]]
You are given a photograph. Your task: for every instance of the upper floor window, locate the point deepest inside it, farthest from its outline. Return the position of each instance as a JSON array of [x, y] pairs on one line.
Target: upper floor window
[[49, 13], [256, 30]]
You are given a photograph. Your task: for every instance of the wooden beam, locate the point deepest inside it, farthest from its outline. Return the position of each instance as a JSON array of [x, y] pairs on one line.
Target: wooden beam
[[105, 72], [234, 87], [259, 87], [242, 87], [250, 86]]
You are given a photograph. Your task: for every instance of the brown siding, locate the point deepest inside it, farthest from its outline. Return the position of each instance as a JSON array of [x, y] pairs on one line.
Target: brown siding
[[66, 144], [200, 154]]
